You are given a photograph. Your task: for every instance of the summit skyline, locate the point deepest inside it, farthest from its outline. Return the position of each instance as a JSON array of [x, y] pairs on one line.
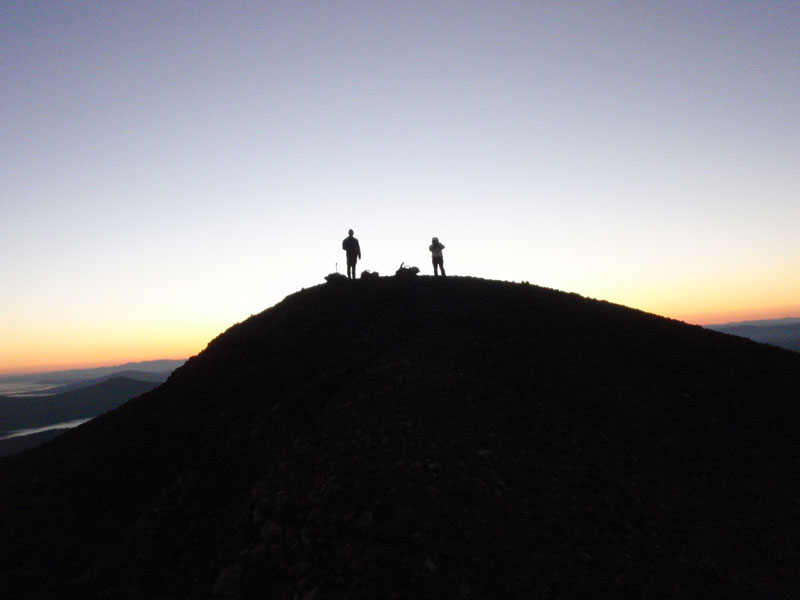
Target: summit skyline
[[169, 170]]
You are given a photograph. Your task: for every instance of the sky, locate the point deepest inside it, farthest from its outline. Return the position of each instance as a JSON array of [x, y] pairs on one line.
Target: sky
[[168, 169]]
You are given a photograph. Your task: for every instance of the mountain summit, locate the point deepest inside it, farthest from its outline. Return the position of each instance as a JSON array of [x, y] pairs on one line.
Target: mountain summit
[[427, 438]]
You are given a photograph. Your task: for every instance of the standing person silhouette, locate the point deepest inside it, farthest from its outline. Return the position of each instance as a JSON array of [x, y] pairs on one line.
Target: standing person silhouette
[[351, 247], [436, 255]]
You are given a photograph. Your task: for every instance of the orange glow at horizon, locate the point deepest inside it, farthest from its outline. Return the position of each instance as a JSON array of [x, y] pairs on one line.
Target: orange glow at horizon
[[73, 349], [33, 368], [701, 299], [735, 316], [70, 350]]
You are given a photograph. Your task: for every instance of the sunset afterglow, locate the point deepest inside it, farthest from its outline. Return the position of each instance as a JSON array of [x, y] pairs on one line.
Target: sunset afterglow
[[171, 169]]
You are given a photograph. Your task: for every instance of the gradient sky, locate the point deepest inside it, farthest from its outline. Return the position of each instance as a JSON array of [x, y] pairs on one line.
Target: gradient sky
[[170, 168]]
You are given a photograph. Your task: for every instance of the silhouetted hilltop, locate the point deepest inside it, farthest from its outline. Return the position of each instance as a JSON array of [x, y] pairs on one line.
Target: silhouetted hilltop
[[427, 438]]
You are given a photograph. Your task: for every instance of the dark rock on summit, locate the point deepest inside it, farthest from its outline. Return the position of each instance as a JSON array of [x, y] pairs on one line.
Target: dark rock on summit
[[427, 438]]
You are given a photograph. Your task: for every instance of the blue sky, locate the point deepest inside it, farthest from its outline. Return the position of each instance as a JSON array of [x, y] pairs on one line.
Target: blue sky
[[168, 169]]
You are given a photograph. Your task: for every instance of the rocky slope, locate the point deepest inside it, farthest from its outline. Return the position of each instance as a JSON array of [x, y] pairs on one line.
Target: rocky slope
[[428, 438]]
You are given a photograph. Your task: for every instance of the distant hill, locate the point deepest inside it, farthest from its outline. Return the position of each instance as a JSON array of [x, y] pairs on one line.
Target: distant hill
[[69, 387], [84, 403], [784, 333], [427, 438], [97, 373]]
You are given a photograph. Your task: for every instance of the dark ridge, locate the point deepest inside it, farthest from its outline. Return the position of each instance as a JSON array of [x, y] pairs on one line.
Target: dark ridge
[[427, 438], [83, 403]]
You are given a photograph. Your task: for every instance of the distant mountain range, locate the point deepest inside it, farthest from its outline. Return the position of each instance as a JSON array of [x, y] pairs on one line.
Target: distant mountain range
[[76, 385], [30, 402], [784, 333], [427, 438], [94, 374]]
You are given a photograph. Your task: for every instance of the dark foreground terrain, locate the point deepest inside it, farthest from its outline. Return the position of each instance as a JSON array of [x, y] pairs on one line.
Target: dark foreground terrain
[[428, 438]]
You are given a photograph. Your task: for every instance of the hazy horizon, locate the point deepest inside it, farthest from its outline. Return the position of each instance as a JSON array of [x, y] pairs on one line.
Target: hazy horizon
[[67, 367], [171, 169], [58, 367]]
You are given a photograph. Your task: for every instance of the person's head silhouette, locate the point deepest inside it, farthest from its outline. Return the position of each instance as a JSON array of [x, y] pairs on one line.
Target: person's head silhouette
[[350, 232]]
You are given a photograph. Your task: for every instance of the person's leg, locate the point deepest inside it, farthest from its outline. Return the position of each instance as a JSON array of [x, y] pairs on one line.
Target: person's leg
[[438, 263]]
